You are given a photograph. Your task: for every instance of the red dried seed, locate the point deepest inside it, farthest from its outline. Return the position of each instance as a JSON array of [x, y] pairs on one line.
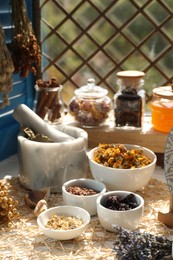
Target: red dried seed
[[75, 190]]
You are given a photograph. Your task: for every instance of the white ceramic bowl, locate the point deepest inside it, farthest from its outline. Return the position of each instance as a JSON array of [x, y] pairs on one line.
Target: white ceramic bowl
[[123, 179], [66, 211], [87, 202], [129, 219]]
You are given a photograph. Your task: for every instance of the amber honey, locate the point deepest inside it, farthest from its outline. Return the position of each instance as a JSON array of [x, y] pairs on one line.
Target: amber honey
[[162, 109]]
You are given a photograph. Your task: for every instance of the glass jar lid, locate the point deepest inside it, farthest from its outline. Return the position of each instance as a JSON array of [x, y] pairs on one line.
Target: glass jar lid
[[130, 77], [130, 74], [164, 92], [91, 90]]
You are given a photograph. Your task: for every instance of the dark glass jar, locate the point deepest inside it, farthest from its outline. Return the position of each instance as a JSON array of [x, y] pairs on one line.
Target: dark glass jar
[[90, 106], [129, 100]]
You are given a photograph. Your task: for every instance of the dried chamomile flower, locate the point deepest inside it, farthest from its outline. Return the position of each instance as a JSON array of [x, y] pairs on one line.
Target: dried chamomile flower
[[8, 205]]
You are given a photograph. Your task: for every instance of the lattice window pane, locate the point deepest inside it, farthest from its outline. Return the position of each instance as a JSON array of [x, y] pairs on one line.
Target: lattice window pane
[[97, 38]]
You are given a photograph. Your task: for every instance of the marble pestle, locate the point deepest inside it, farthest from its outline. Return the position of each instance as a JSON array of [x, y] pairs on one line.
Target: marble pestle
[[28, 118]]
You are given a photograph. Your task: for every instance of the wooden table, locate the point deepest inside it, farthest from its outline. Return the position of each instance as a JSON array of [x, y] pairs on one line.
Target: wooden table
[[147, 136]]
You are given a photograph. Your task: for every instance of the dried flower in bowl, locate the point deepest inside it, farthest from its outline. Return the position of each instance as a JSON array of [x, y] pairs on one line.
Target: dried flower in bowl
[[122, 167], [118, 156], [62, 222]]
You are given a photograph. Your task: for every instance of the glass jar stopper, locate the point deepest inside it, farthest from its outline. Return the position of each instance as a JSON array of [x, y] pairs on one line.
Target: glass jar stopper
[[130, 77]]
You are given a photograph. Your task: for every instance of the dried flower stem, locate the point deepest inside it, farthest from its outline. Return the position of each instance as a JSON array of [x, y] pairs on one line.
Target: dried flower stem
[[7, 68], [26, 52]]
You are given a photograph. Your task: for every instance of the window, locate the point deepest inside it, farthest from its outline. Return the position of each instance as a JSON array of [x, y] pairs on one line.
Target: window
[[22, 92], [85, 38]]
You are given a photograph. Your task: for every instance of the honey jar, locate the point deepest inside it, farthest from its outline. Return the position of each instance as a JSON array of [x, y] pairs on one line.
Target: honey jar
[[90, 105], [129, 100], [162, 108]]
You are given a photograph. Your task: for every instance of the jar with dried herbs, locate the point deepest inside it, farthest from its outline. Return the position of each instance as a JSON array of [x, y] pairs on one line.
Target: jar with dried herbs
[[129, 100], [48, 103], [90, 106]]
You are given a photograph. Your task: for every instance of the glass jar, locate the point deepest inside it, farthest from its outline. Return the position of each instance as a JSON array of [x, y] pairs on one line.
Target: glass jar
[[162, 108], [90, 106], [129, 100], [48, 103]]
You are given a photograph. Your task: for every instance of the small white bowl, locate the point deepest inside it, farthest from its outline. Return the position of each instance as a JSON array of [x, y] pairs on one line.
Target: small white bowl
[[129, 219], [87, 202], [123, 179], [66, 211]]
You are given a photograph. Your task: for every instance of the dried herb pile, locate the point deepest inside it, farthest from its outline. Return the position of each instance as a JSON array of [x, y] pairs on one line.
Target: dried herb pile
[[133, 245], [37, 137]]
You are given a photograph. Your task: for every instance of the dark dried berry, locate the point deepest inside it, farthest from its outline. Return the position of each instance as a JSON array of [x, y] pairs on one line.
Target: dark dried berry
[[120, 203]]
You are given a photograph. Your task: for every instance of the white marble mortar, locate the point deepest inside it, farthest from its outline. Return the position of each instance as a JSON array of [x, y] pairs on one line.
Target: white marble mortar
[[51, 164]]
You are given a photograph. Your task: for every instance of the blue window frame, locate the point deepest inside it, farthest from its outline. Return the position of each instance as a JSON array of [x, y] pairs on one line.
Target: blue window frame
[[22, 91]]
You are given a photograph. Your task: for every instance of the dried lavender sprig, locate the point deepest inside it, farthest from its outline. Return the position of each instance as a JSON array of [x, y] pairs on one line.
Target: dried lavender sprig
[[133, 245]]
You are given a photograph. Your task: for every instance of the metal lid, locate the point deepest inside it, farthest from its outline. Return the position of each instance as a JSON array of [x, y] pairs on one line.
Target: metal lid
[[164, 92], [91, 90]]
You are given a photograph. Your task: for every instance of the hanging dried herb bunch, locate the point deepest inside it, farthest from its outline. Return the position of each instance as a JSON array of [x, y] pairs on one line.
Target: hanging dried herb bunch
[[26, 52], [6, 71]]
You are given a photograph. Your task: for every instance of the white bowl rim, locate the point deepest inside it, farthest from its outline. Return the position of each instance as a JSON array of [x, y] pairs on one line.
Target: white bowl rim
[[108, 193], [83, 179], [120, 169], [60, 207]]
